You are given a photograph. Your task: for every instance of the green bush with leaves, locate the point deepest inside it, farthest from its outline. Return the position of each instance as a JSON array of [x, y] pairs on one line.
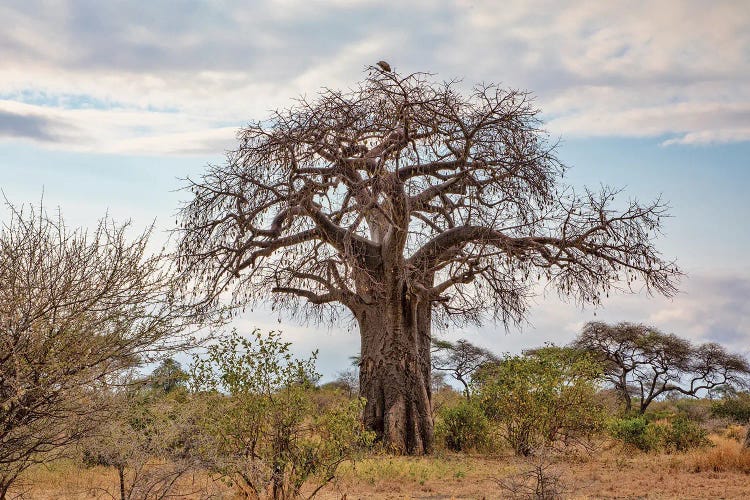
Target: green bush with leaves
[[734, 406], [542, 397], [685, 434], [637, 432], [676, 434], [265, 434], [463, 427]]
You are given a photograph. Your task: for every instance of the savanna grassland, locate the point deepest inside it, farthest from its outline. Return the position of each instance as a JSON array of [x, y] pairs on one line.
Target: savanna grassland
[[721, 471]]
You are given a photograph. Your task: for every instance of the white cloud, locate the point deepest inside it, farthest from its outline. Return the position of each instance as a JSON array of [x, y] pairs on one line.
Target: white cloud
[[710, 309], [674, 69]]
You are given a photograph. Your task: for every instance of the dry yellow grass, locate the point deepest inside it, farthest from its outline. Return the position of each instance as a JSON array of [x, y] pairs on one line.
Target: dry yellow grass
[[726, 456], [612, 472], [63, 480]]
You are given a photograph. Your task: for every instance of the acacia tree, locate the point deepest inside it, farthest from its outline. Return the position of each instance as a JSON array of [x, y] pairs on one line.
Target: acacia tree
[[407, 202], [641, 361], [461, 359]]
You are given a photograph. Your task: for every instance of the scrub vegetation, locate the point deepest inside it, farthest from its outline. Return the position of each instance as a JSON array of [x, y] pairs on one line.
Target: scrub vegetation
[[408, 206]]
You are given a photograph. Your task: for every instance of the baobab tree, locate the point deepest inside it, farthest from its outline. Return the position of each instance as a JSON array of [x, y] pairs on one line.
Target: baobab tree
[[407, 203]]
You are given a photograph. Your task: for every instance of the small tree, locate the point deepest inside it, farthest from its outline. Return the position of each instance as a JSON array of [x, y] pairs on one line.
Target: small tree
[[76, 309], [349, 380], [541, 397], [258, 417], [461, 359], [640, 361]]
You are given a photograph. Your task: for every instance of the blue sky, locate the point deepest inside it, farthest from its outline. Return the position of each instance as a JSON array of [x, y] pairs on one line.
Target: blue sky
[[105, 105]]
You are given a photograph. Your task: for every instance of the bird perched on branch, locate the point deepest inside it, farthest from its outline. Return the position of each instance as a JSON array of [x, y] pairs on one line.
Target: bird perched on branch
[[384, 66]]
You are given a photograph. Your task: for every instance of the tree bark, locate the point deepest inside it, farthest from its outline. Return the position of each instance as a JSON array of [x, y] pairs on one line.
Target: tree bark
[[121, 476], [394, 373]]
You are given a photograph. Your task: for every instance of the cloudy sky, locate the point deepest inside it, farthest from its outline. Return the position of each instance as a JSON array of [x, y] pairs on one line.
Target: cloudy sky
[[104, 106]]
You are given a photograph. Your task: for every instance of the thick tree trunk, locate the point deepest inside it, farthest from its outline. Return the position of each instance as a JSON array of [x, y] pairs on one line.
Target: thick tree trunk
[[394, 373]]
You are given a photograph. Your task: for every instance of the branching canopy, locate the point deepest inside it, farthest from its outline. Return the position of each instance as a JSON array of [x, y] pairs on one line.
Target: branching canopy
[[456, 195], [461, 359], [642, 362], [75, 310]]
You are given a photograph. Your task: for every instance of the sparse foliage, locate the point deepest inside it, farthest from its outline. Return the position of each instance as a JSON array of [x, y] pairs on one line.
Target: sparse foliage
[[463, 427], [76, 308], [544, 396], [461, 359], [263, 434], [438, 383], [349, 380], [402, 201], [642, 362], [540, 481], [147, 437]]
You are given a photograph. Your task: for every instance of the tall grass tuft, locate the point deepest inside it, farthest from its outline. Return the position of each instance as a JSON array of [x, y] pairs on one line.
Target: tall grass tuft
[[727, 456]]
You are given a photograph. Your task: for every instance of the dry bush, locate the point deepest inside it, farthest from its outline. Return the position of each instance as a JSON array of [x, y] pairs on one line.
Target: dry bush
[[734, 432], [77, 308], [727, 455], [540, 481]]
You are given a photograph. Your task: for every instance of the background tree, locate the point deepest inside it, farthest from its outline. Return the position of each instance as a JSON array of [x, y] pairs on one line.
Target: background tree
[[168, 376], [543, 396], [76, 309], [461, 359], [438, 383], [406, 201], [349, 381], [642, 362]]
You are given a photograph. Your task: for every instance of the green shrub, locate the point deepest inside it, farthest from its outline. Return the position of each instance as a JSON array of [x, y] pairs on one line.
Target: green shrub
[[679, 434], [735, 407], [637, 432], [684, 434], [463, 427], [263, 430], [544, 397]]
